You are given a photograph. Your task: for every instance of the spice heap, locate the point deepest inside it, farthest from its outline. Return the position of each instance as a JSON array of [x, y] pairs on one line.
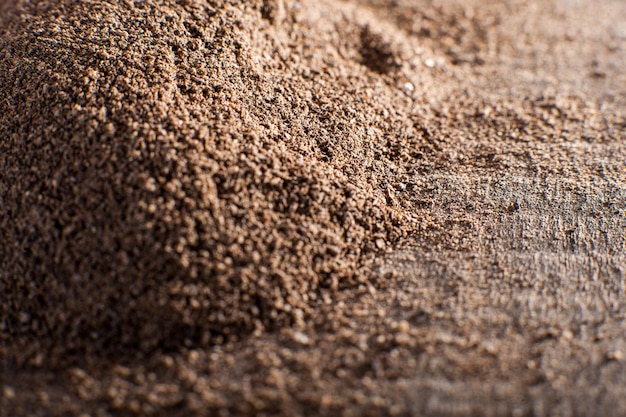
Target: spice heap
[[175, 173]]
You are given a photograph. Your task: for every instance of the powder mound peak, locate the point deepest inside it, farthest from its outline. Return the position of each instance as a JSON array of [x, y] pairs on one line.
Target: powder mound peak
[[166, 176]]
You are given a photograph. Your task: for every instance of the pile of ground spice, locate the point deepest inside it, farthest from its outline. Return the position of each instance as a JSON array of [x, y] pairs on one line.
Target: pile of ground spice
[[314, 207], [165, 180]]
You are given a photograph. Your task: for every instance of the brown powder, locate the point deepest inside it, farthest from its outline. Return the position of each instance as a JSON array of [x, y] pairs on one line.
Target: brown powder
[[165, 178], [366, 207]]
